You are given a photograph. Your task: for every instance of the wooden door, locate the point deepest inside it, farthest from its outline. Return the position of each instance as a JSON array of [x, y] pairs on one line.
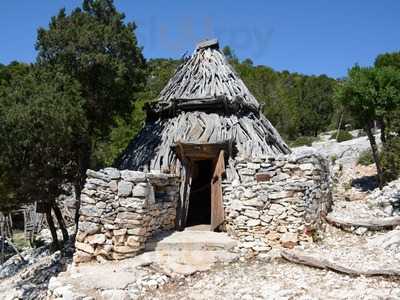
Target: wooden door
[[183, 205], [217, 207]]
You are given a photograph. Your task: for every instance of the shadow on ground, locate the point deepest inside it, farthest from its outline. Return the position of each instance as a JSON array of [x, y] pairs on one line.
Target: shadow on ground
[[365, 183]]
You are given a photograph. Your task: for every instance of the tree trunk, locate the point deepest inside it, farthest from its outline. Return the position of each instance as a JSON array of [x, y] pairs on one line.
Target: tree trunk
[[383, 131], [52, 228], [374, 149], [80, 181], [60, 221]]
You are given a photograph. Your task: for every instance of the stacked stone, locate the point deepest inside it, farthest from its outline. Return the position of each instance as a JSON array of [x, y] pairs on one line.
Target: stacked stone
[[120, 210], [387, 199], [276, 200]]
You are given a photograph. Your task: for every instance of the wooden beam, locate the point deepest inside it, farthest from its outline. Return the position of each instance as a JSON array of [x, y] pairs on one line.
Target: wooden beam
[[319, 261], [370, 223]]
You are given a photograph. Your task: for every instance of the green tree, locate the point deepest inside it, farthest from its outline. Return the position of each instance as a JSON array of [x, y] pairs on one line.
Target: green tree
[[158, 72], [94, 46], [371, 94], [390, 155], [388, 60], [42, 124]]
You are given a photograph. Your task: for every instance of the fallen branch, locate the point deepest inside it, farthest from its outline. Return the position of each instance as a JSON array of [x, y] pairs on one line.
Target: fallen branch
[[370, 223], [15, 249], [316, 261], [386, 240]]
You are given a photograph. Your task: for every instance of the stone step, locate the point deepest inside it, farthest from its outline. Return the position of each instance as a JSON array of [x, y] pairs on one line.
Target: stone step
[[190, 240]]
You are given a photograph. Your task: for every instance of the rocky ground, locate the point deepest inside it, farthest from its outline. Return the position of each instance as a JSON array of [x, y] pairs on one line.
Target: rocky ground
[[27, 276], [277, 279]]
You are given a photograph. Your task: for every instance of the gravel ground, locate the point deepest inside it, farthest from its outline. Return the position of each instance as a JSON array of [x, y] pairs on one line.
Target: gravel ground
[[278, 280]]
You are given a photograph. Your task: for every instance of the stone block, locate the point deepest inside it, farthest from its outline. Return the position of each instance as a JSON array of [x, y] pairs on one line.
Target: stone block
[[280, 177], [118, 240], [113, 185], [236, 205], [88, 228], [124, 188], [127, 215], [251, 213], [289, 240], [82, 257], [85, 199], [84, 247], [307, 167], [279, 195], [140, 190], [96, 239], [254, 203], [264, 176], [133, 176], [253, 166], [112, 173], [266, 218], [90, 211], [119, 232], [253, 222], [96, 182], [98, 175], [132, 203], [119, 256], [276, 209], [125, 249], [248, 194], [132, 242]]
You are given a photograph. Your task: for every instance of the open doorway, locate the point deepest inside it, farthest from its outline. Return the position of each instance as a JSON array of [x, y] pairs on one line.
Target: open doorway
[[201, 203], [199, 211]]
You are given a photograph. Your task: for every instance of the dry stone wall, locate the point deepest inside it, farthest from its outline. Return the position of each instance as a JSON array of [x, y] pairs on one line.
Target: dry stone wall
[[120, 210], [271, 201], [277, 200]]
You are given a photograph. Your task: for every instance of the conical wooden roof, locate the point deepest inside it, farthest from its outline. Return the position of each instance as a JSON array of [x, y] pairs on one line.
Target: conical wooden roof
[[206, 80], [205, 102]]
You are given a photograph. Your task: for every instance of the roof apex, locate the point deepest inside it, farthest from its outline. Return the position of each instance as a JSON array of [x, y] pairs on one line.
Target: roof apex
[[209, 43]]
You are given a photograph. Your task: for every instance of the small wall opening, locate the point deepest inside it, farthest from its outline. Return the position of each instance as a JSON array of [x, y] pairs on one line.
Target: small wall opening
[[200, 193]]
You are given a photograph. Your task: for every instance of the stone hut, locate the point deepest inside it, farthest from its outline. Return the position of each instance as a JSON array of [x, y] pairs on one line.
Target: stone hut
[[206, 155]]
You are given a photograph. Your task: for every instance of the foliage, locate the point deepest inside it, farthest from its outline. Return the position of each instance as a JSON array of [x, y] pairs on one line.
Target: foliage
[[303, 141], [158, 72], [391, 159], [371, 95], [342, 136], [97, 48], [297, 105], [42, 125], [388, 60], [390, 155], [365, 158]]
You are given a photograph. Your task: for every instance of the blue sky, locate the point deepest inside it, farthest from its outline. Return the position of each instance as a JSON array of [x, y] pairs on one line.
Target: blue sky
[[309, 36]]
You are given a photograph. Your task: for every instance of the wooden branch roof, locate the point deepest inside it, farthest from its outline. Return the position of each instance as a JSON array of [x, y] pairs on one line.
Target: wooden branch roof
[[203, 80], [203, 105]]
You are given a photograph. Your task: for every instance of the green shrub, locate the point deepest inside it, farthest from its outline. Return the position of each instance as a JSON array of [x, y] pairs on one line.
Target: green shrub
[[343, 136], [365, 158], [302, 141], [390, 159]]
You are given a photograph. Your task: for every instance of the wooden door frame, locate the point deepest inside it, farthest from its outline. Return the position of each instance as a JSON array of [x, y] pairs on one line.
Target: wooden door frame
[[187, 153]]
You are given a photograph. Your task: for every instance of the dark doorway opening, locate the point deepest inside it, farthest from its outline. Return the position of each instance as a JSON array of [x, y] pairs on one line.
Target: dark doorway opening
[[199, 211]]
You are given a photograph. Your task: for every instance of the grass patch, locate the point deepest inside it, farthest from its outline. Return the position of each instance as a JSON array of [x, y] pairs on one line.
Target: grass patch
[[19, 240], [365, 158], [343, 136], [302, 141]]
